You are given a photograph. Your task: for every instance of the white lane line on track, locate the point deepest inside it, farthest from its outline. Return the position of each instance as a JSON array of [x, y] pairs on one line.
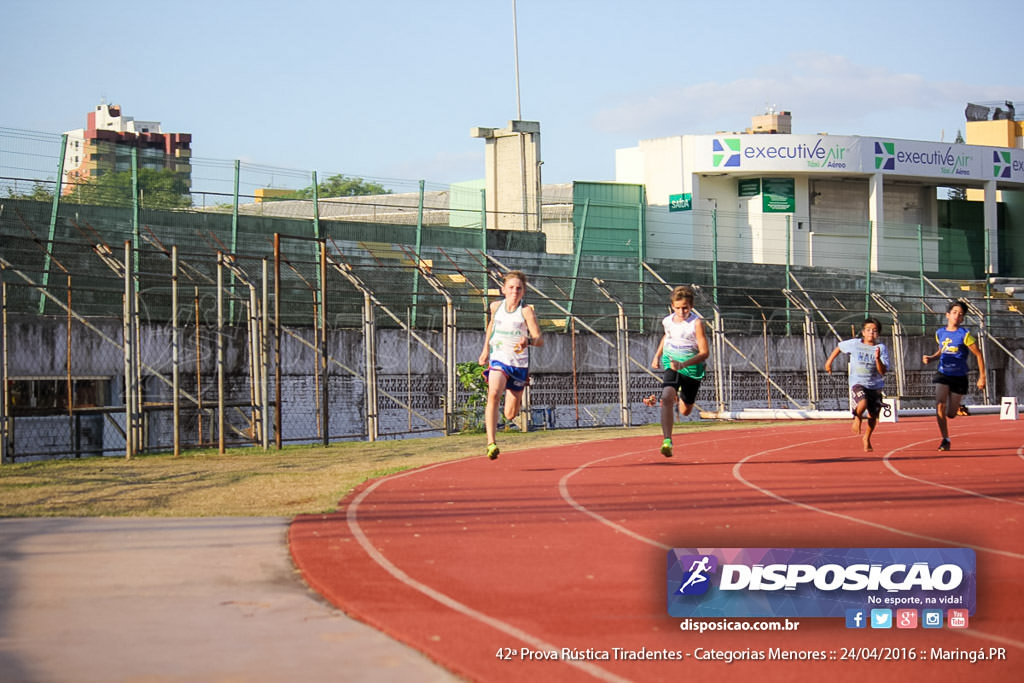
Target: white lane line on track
[[813, 508], [973, 633], [895, 470], [563, 487], [352, 516]]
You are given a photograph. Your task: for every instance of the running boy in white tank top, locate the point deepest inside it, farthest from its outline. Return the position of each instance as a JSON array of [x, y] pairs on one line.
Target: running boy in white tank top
[[512, 329]]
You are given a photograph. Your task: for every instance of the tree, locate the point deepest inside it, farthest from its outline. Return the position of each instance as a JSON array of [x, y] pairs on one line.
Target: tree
[[39, 193], [341, 186], [158, 189]]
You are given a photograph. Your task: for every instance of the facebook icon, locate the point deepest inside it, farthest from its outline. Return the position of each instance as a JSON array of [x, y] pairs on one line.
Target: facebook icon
[[856, 618]]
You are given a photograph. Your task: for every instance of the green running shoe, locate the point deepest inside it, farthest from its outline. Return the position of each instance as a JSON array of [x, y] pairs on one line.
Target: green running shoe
[[666, 448]]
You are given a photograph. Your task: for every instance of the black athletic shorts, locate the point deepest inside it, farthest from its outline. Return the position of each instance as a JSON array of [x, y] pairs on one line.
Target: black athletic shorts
[[686, 387], [874, 397], [956, 383]]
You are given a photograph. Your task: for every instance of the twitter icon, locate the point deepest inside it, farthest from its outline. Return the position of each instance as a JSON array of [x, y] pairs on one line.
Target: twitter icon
[[881, 618]]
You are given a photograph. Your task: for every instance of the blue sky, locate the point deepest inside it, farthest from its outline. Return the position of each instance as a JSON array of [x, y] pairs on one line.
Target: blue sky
[[391, 89]]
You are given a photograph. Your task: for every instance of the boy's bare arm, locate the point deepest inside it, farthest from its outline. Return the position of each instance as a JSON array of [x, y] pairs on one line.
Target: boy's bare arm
[[981, 365], [831, 358], [702, 345], [656, 362], [533, 327], [485, 354]]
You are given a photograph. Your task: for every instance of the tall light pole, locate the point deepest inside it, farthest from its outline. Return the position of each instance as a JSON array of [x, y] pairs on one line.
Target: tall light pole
[[515, 49], [519, 117]]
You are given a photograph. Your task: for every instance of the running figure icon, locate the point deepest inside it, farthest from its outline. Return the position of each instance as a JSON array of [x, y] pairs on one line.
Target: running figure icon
[[697, 570]]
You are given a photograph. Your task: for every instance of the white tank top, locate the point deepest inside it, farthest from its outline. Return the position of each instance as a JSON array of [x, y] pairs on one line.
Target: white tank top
[[681, 343], [508, 329]]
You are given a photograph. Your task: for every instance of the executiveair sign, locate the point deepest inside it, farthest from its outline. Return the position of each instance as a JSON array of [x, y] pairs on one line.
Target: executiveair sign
[[1007, 164], [851, 154], [951, 160], [783, 152]]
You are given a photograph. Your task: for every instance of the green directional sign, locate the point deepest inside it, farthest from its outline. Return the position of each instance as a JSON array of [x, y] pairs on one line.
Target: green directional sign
[[779, 195], [749, 187], [680, 202]]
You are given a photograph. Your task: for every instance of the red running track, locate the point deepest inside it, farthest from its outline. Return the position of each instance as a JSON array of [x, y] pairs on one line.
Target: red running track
[[566, 548]]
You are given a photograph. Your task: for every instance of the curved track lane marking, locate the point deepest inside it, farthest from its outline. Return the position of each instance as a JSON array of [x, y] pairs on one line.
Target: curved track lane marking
[[563, 489], [563, 486], [896, 471], [351, 515], [813, 508], [850, 518]]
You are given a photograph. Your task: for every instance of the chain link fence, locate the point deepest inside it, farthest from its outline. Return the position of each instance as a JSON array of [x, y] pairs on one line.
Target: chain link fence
[[242, 309], [314, 341]]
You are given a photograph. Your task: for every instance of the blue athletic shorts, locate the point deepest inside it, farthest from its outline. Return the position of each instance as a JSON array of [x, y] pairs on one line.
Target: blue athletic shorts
[[516, 377]]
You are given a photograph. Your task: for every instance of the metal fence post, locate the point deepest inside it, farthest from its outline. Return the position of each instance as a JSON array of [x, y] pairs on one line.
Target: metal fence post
[[234, 237], [264, 359], [54, 210], [5, 408], [277, 340], [920, 274], [450, 357], [129, 360], [175, 351], [621, 352], [220, 352], [714, 255], [325, 366], [419, 246], [867, 278], [370, 362]]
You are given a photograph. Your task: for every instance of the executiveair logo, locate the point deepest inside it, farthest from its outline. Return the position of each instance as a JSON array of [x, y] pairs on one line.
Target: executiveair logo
[[1002, 164], [885, 156], [725, 152]]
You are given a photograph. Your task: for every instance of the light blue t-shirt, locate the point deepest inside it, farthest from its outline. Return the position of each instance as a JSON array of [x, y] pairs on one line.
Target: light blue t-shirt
[[862, 363]]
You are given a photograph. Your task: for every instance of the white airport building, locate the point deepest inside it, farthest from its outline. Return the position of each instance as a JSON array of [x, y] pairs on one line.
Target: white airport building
[[825, 200]]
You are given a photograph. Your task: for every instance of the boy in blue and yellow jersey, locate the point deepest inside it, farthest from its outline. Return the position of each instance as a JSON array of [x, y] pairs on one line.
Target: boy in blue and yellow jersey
[[955, 344]]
